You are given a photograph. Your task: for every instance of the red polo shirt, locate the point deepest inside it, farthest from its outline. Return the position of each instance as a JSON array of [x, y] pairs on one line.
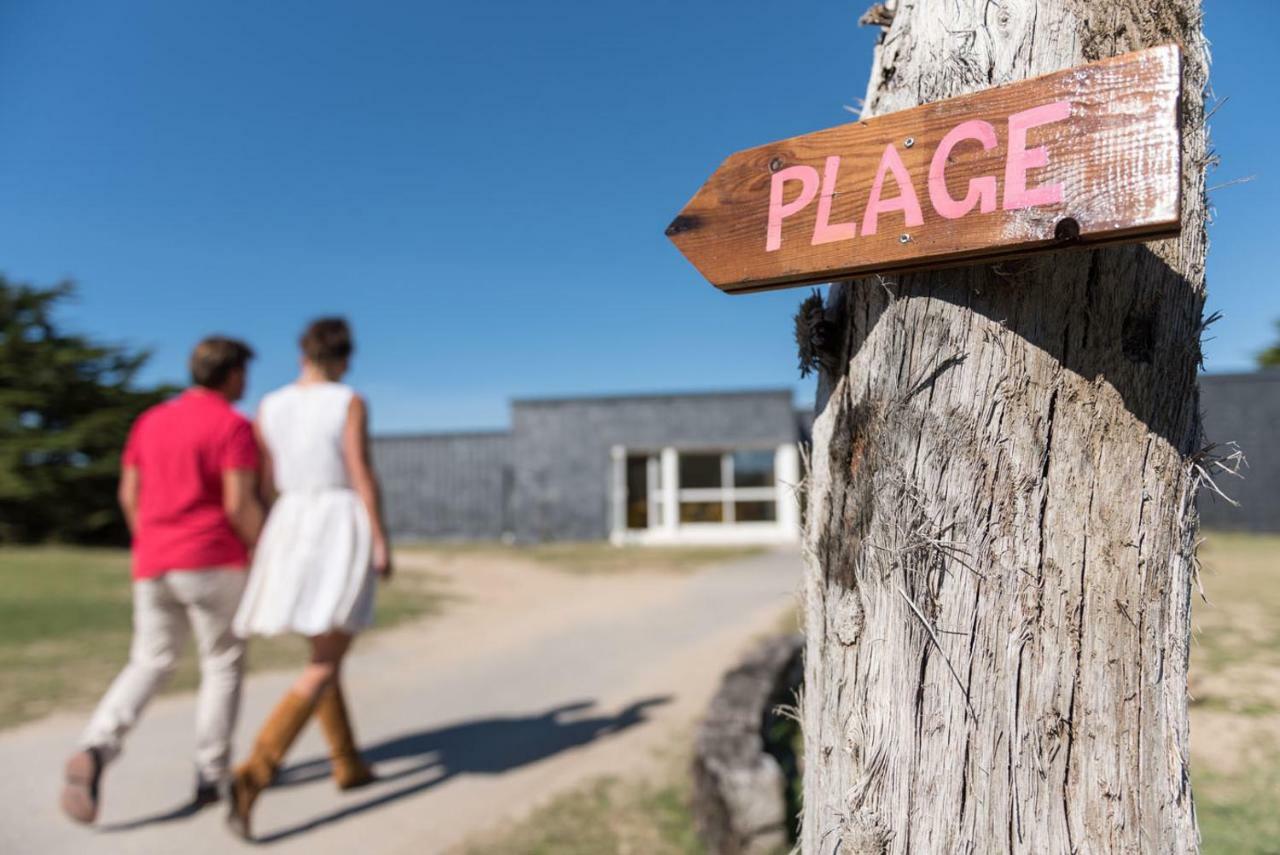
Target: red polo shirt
[[181, 448]]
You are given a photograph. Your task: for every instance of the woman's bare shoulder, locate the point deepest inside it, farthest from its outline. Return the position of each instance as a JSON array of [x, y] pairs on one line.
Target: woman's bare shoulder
[[357, 405]]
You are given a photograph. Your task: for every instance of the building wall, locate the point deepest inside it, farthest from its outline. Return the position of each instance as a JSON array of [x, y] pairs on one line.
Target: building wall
[[561, 448], [446, 485], [1245, 409]]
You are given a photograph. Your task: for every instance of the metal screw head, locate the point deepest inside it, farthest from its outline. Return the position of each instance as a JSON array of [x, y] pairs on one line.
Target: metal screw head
[[775, 164], [904, 238], [909, 142]]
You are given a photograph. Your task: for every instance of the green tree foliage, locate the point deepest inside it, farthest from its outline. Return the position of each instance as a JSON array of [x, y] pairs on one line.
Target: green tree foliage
[[66, 404], [1270, 358]]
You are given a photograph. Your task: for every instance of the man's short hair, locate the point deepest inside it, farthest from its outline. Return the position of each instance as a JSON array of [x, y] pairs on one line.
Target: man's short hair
[[327, 341], [215, 358]]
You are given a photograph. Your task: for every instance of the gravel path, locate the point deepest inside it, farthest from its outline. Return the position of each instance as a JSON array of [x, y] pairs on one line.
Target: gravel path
[[531, 682]]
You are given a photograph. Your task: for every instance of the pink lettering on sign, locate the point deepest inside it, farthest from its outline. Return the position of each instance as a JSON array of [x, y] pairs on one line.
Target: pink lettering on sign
[[905, 201], [1021, 158], [823, 230], [808, 178], [981, 193], [981, 190]]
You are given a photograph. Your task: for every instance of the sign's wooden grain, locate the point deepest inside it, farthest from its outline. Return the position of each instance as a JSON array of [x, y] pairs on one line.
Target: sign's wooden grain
[[1088, 155]]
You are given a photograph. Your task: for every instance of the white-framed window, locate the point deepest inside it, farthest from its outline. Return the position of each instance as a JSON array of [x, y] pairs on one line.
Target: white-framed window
[[727, 487], [692, 495]]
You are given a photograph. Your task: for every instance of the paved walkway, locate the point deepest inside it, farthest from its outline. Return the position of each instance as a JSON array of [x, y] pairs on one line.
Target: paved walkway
[[530, 683]]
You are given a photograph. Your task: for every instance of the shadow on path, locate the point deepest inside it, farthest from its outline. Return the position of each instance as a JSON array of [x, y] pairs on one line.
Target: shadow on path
[[487, 746], [183, 811]]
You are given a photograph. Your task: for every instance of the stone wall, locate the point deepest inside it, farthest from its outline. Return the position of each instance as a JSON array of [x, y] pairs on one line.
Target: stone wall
[[446, 485]]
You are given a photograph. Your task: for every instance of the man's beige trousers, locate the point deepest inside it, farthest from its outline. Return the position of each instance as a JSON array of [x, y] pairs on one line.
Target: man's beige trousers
[[164, 610]]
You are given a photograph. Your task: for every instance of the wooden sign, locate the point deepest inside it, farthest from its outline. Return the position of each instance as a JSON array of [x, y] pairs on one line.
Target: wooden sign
[[1089, 155]]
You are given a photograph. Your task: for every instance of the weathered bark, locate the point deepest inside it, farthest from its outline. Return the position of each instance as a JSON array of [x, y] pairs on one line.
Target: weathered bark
[[1001, 522]]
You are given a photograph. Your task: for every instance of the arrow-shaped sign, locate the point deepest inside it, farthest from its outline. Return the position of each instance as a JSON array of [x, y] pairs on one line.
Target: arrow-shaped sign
[[1089, 155]]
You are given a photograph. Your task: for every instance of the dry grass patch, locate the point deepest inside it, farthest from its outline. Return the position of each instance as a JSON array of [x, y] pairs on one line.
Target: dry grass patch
[[1235, 689], [605, 816], [593, 557]]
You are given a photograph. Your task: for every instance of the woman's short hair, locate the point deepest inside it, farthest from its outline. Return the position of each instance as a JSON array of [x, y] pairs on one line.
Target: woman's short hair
[[215, 357], [327, 341]]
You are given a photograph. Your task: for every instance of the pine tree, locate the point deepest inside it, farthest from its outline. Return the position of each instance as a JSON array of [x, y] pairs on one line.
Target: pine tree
[[1270, 358], [66, 404]]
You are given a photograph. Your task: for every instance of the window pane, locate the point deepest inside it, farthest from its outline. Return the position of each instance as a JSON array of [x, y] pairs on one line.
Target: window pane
[[755, 511], [701, 512], [753, 468], [699, 470], [637, 492]]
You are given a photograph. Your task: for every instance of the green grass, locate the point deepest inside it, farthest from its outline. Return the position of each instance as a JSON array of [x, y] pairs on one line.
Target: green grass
[[65, 626], [1240, 813], [607, 816], [588, 557], [1235, 684]]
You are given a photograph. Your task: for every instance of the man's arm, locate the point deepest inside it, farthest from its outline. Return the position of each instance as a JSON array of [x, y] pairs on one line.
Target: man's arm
[[127, 494], [267, 477], [241, 504]]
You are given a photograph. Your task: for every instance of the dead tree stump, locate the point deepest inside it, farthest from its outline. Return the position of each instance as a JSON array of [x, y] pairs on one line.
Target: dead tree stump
[[740, 783]]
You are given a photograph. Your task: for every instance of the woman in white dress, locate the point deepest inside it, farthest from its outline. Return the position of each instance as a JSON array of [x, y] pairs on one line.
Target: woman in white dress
[[315, 566]]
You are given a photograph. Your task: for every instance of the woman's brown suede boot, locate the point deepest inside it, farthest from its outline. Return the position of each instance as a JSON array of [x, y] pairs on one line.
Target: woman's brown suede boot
[[349, 770], [253, 775]]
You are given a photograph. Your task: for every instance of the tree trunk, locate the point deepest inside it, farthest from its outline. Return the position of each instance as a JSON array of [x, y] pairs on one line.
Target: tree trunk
[[1001, 529]]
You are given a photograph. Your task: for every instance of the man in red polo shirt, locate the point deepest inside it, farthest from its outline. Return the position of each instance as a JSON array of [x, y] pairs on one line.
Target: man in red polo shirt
[[188, 489]]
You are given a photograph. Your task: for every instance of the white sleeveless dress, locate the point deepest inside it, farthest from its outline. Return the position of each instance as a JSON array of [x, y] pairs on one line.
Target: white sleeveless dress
[[312, 567]]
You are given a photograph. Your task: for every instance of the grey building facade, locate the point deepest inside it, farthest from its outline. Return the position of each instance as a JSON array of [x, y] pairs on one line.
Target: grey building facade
[[565, 449], [714, 467], [1244, 409]]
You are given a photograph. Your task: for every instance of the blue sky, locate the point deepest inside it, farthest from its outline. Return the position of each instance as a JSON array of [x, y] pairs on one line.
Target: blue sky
[[481, 187]]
